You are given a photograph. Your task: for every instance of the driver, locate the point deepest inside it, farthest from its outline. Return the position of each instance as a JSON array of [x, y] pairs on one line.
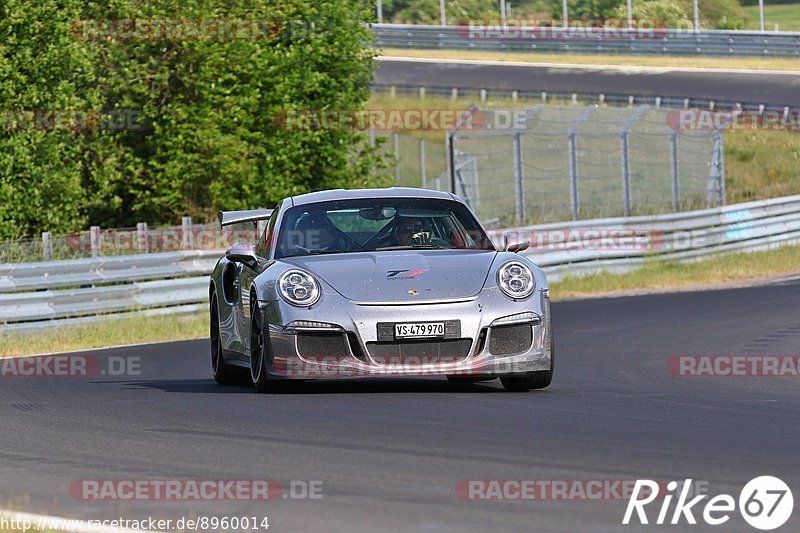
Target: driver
[[405, 228], [315, 232]]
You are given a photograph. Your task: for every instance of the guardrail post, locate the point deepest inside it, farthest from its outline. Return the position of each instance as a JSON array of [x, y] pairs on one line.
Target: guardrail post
[[626, 173], [187, 239], [94, 240], [519, 182], [673, 163], [142, 242], [47, 246], [423, 167]]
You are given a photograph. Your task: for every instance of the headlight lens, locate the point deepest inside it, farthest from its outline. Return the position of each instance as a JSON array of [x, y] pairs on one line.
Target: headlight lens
[[298, 288], [515, 279]]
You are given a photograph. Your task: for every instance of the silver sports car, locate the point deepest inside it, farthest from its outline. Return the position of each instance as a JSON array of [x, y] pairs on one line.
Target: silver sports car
[[380, 282]]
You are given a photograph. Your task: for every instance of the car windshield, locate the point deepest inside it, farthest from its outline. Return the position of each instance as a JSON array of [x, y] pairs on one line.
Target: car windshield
[[366, 225]]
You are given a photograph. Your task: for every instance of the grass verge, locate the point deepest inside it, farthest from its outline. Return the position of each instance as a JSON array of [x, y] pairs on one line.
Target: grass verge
[[120, 331], [662, 276], [755, 63], [776, 17]]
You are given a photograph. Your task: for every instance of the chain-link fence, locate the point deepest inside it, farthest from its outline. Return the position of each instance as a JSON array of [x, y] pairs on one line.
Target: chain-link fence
[[97, 242], [563, 162]]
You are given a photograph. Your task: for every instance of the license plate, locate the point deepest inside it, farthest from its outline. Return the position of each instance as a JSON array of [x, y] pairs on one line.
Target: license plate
[[419, 329]]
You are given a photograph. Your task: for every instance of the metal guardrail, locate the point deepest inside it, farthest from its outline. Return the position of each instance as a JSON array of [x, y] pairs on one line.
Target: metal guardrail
[[62, 292], [588, 246], [682, 42], [586, 97], [105, 270]]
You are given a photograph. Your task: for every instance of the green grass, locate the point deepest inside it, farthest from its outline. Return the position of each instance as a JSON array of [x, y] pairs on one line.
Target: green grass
[[119, 331], [671, 275], [763, 164], [776, 17]]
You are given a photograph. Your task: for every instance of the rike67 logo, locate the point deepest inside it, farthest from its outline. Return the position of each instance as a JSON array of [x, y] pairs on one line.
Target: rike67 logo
[[765, 503]]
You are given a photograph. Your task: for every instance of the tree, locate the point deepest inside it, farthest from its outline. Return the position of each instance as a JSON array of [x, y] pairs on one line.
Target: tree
[[207, 137]]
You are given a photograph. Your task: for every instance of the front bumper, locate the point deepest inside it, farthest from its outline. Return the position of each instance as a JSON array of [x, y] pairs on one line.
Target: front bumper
[[344, 342]]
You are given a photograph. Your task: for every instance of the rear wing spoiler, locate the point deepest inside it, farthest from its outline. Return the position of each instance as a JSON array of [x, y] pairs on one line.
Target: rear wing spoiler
[[226, 218]]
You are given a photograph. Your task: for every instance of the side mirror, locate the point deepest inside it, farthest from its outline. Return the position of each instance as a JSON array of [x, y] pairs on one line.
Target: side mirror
[[242, 252], [515, 242]]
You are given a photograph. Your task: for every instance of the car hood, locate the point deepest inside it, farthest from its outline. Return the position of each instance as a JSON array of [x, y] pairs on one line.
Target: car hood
[[402, 275]]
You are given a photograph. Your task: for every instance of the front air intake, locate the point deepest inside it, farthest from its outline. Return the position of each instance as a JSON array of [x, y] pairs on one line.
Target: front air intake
[[510, 340]]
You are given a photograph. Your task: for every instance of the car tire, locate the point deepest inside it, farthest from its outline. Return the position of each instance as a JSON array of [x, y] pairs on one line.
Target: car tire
[[259, 353], [222, 372], [532, 380]]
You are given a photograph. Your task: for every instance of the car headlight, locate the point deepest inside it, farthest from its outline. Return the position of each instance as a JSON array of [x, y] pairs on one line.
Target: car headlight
[[515, 279], [298, 288]]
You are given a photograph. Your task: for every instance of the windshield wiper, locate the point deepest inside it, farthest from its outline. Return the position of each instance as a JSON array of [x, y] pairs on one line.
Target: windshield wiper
[[412, 247]]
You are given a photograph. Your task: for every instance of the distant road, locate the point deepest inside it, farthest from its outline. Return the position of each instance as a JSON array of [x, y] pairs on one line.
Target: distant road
[[769, 88]]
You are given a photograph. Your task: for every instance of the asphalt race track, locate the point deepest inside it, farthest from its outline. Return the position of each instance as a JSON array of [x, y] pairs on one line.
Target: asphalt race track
[[759, 88], [390, 453]]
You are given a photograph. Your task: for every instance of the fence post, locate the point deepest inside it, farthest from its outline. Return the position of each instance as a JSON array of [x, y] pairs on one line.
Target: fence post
[[673, 159], [94, 240], [625, 155], [396, 146], [451, 162], [142, 242], [372, 145], [573, 176], [47, 246], [626, 173], [716, 177], [721, 157], [573, 159], [423, 169], [519, 188], [187, 239]]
